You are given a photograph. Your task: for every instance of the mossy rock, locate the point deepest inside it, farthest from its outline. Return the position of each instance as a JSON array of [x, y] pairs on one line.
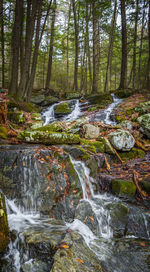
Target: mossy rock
[[132, 154], [143, 108], [24, 106], [62, 109], [17, 117], [73, 95], [100, 99], [123, 187], [96, 146], [106, 145], [4, 228], [119, 119], [36, 125], [123, 93], [36, 116], [145, 186], [55, 127], [48, 138], [3, 132]]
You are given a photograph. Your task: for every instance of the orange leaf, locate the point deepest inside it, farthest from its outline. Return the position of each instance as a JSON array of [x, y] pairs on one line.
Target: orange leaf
[[143, 244], [65, 246], [47, 189], [91, 218], [80, 261]]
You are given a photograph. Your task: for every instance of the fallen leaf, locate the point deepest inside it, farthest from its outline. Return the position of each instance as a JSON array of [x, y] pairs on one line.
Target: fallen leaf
[[80, 261]]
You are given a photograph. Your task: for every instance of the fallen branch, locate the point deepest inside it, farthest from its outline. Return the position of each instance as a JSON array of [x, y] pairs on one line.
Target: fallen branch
[[135, 180], [118, 156], [107, 164], [140, 145]]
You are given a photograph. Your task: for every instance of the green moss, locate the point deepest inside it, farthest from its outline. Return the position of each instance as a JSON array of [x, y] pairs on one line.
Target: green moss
[[36, 116], [134, 153], [4, 229], [100, 99], [124, 93], [16, 117], [146, 186], [3, 133], [119, 119], [123, 187], [62, 108], [24, 106], [55, 127], [48, 138]]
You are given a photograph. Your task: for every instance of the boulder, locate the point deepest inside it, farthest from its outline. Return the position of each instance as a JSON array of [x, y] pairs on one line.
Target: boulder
[[55, 127], [80, 122], [49, 138], [73, 95], [62, 109], [90, 131], [123, 187], [37, 99], [4, 228], [75, 256], [36, 116], [107, 146], [144, 122], [122, 140], [143, 108], [49, 100], [36, 125], [3, 132]]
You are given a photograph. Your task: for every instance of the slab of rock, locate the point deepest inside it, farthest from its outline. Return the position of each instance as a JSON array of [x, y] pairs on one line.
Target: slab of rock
[[38, 99], [76, 257], [4, 229], [90, 131], [123, 187], [144, 122], [122, 140], [62, 109]]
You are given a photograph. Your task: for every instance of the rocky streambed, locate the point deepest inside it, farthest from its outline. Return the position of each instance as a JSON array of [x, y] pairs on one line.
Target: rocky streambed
[[72, 197]]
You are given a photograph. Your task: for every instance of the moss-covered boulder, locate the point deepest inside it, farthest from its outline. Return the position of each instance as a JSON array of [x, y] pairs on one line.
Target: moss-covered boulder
[[123, 187], [4, 229], [124, 93], [37, 99], [3, 132], [62, 109], [132, 154], [72, 95], [126, 124], [53, 127], [144, 122], [48, 138], [122, 140], [36, 116], [49, 100], [36, 125], [16, 117], [93, 146], [106, 144], [100, 99]]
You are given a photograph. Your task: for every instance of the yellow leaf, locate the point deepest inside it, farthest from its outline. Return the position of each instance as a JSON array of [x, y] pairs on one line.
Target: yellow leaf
[[80, 261], [91, 218], [65, 246]]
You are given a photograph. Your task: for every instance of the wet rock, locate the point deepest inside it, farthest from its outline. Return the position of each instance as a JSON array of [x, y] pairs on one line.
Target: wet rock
[[101, 99], [36, 125], [118, 218], [34, 265], [90, 131], [144, 122], [107, 146], [38, 99], [62, 109], [77, 257], [49, 138], [85, 214], [4, 228], [16, 117], [80, 122], [122, 140], [123, 187]]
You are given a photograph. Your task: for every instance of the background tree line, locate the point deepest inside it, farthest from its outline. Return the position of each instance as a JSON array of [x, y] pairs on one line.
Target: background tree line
[[88, 46]]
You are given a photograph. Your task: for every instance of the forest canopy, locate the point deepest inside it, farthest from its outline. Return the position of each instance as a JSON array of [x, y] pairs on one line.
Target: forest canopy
[[87, 46]]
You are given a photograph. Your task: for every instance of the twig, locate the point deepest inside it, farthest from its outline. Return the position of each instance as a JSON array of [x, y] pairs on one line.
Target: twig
[[107, 164]]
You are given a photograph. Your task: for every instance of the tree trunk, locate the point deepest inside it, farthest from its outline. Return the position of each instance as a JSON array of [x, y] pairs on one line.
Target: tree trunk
[[15, 48], [141, 45], [148, 64], [75, 84], [49, 70], [38, 39], [30, 24], [68, 28], [123, 78], [95, 48], [134, 47], [88, 46], [2, 42], [111, 39]]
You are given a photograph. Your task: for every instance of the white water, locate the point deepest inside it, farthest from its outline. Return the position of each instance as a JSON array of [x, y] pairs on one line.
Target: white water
[[49, 114]]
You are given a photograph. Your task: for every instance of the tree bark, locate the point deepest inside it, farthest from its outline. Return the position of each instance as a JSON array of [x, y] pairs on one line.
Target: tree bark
[[123, 78], [75, 84], [2, 42], [148, 64], [95, 48], [15, 48], [68, 28], [49, 70], [30, 24], [88, 47], [134, 47], [111, 39], [141, 45]]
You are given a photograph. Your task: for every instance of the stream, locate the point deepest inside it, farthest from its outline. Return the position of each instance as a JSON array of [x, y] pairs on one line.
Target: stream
[[116, 243]]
